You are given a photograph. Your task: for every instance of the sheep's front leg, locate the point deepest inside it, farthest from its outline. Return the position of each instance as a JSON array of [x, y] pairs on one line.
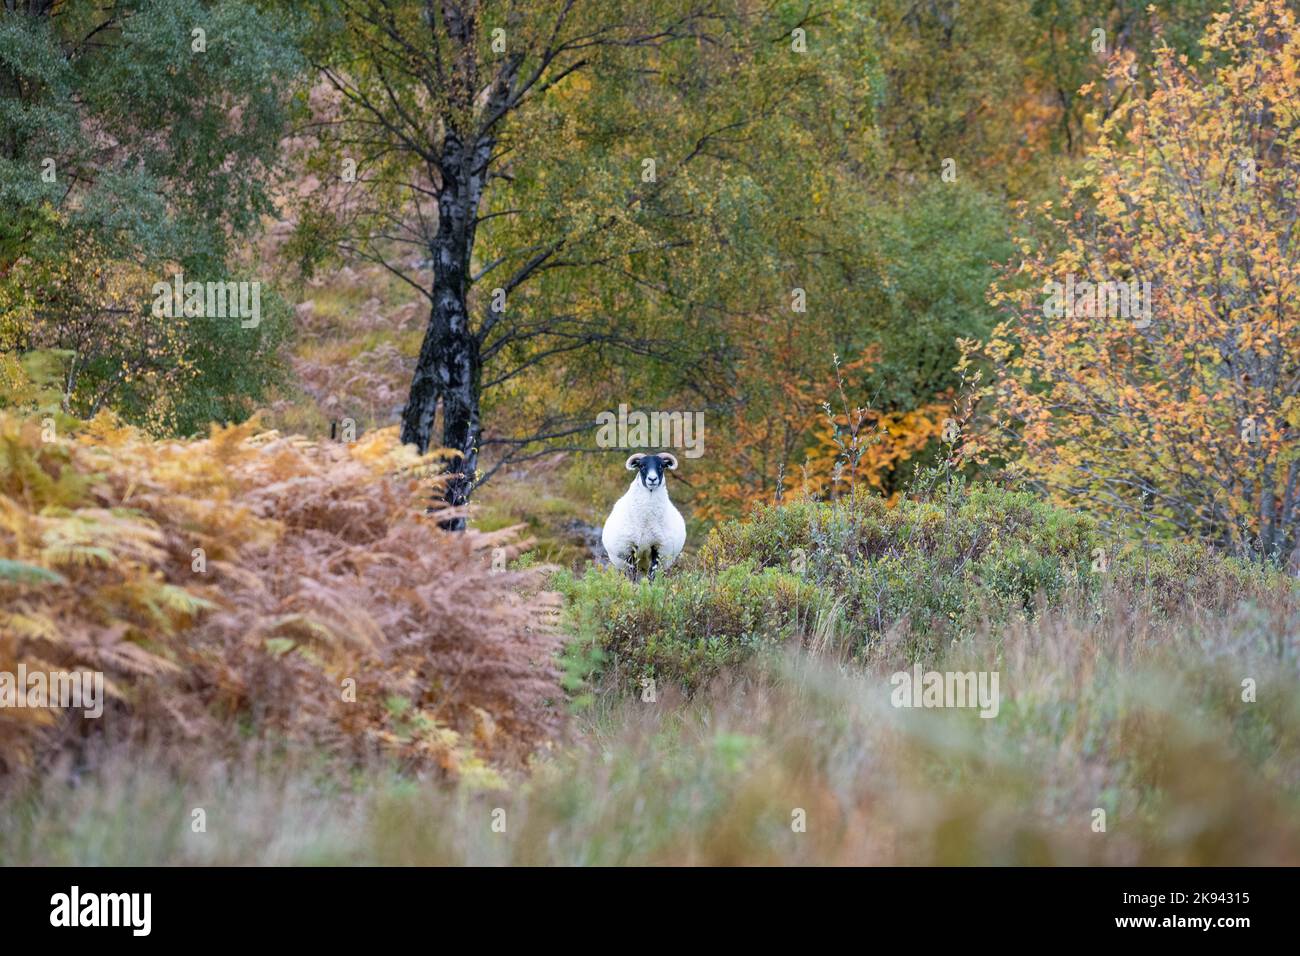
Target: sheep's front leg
[[654, 562], [630, 562]]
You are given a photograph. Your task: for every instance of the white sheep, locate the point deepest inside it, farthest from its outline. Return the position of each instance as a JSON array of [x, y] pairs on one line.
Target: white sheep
[[644, 524]]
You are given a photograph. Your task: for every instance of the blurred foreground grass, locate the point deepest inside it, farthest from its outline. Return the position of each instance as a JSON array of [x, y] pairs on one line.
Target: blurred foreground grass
[[1152, 684], [1138, 717]]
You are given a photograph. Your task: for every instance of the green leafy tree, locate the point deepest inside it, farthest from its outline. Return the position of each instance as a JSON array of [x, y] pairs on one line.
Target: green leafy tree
[[137, 138], [582, 188]]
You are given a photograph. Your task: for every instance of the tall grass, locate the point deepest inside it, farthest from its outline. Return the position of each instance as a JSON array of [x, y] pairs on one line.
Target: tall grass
[[736, 710], [1112, 708]]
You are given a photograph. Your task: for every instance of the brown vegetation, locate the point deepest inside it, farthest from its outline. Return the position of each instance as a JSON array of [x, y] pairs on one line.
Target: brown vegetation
[[316, 566]]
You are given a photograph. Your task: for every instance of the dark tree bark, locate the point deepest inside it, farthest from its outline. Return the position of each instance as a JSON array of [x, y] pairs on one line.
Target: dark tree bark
[[448, 370], [437, 98]]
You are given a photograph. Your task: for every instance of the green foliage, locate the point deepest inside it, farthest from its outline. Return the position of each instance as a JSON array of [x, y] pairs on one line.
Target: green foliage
[[950, 71], [232, 370], [849, 570], [33, 380], [871, 582], [195, 134], [688, 626], [936, 251], [758, 151], [20, 572], [127, 155], [1172, 575], [1063, 55]]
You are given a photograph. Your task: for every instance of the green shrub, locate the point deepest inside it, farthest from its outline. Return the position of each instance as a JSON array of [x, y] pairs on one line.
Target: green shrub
[[687, 626], [1173, 575], [935, 567], [865, 579]]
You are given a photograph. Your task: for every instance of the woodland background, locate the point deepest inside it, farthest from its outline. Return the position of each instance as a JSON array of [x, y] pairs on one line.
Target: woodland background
[[825, 225]]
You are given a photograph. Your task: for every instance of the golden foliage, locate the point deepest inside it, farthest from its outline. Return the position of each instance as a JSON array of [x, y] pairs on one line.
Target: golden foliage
[[1182, 419], [791, 439], [253, 575]]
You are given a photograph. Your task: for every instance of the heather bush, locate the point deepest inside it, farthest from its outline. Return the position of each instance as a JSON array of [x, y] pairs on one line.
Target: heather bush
[[864, 579], [691, 625]]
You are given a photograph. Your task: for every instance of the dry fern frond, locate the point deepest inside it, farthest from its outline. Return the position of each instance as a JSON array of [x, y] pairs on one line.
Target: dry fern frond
[[256, 575]]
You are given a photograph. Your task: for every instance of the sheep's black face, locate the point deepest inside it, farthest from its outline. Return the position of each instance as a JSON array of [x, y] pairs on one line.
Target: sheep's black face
[[651, 470]]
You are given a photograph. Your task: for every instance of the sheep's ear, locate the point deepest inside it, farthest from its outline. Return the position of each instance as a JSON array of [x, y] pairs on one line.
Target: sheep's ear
[[635, 460], [669, 460]]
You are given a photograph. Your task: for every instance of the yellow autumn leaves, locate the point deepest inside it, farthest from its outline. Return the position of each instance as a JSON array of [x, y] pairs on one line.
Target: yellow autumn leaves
[[1187, 423]]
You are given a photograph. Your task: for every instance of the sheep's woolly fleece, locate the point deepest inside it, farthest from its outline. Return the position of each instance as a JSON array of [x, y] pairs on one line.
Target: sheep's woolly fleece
[[641, 520]]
